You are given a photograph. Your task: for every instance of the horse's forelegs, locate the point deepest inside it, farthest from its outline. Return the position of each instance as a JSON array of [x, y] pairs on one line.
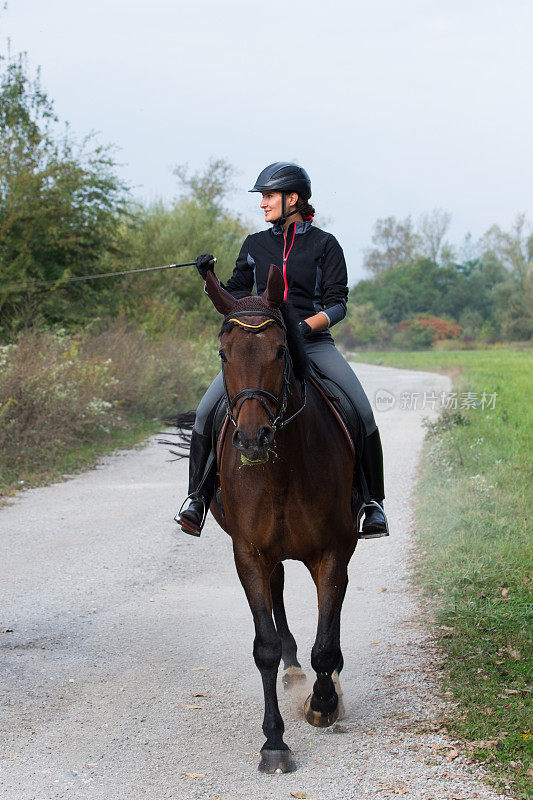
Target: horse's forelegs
[[255, 578], [288, 642], [322, 706], [293, 672]]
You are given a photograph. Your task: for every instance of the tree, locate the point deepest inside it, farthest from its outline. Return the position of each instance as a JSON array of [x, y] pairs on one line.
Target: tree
[[61, 203], [513, 295], [210, 186], [513, 248], [174, 233], [395, 243], [432, 229]]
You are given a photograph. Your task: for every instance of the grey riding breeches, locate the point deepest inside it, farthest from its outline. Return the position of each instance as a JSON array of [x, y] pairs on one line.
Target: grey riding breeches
[[328, 359]]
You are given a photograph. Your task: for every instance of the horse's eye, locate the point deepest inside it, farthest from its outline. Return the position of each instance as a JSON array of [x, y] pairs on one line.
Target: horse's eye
[[281, 352], [222, 355]]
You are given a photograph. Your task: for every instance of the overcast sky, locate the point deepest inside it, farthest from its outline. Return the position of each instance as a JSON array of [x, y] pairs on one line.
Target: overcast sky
[[394, 107]]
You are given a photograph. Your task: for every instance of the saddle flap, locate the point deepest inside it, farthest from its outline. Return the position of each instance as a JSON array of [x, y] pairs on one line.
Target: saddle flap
[[346, 414]]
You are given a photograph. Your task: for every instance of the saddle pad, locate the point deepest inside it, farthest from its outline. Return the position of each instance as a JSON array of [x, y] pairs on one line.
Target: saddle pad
[[341, 406]]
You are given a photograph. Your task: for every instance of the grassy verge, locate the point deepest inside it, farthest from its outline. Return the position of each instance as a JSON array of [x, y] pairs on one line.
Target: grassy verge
[[473, 509], [67, 399]]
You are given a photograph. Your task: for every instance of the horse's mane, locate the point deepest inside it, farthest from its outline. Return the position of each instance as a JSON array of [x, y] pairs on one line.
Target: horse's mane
[[295, 342], [299, 357]]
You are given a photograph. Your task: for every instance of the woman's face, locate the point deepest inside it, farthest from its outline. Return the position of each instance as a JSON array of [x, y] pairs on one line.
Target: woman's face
[[271, 204]]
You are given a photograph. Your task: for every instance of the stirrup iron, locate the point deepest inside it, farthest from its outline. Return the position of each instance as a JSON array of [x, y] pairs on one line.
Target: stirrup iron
[[377, 534], [192, 496]]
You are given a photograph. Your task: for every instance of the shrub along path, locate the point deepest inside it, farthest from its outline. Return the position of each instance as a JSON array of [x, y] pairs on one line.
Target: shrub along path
[[66, 399]]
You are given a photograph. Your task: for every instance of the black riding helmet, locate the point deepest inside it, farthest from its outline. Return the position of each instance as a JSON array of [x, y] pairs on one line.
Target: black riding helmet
[[282, 176]]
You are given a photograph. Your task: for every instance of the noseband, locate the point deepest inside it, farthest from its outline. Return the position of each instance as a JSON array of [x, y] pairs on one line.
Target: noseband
[[280, 402]]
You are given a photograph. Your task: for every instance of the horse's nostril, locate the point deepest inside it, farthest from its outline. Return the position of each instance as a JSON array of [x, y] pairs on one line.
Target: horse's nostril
[[266, 435], [240, 441]]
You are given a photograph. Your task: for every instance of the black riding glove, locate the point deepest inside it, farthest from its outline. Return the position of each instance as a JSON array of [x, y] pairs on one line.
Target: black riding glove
[[204, 264], [304, 328]]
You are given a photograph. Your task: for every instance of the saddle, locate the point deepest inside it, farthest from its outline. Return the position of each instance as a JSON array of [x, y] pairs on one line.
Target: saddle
[[338, 404]]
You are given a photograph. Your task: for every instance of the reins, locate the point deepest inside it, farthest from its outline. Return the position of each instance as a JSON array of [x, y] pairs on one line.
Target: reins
[[261, 395]]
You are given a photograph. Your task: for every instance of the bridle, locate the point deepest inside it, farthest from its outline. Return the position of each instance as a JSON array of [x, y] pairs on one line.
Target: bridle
[[277, 422]]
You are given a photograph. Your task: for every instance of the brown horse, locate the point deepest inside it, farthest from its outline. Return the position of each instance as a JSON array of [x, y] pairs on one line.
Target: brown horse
[[286, 484]]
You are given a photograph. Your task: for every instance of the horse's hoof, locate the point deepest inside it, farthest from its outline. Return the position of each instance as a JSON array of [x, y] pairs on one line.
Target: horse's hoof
[[318, 719], [292, 676], [276, 761]]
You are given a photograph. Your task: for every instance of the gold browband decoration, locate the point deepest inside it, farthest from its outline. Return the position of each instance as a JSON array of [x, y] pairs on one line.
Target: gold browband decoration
[[248, 325]]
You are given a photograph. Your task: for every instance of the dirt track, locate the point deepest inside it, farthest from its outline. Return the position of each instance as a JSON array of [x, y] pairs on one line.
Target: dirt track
[[119, 620]]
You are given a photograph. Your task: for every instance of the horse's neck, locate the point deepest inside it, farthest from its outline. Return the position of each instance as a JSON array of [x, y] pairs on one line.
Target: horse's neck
[[313, 430]]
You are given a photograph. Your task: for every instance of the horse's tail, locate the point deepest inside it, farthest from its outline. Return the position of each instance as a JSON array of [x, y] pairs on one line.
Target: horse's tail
[[181, 439]]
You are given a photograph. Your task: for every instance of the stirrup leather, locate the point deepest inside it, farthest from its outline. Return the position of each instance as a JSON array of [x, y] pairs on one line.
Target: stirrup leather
[[373, 535]]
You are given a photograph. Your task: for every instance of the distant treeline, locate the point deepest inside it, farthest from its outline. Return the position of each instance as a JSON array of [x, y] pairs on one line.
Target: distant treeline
[[423, 290], [64, 212]]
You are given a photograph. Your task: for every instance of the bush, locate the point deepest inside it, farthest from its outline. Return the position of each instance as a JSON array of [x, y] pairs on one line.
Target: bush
[[411, 335], [48, 393], [520, 328], [470, 322], [438, 327], [59, 391], [362, 327]]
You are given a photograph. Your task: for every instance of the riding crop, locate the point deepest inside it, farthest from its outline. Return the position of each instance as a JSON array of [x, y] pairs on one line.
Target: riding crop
[[24, 287]]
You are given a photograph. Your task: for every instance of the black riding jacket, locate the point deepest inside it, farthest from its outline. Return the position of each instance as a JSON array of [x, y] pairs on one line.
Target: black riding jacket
[[312, 263]]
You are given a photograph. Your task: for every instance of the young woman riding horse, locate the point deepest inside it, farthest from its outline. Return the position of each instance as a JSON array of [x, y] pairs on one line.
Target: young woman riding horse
[[315, 285]]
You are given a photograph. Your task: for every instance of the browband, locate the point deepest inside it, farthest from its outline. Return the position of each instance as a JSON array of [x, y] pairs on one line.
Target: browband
[[270, 319], [249, 325]]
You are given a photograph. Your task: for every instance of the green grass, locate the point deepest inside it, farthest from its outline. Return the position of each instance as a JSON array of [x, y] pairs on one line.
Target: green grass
[[473, 507], [71, 458]]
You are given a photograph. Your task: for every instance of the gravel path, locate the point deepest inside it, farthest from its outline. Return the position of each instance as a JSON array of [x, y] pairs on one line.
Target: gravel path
[[129, 674]]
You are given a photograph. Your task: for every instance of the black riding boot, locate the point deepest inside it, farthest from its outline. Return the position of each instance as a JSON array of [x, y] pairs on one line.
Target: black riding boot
[[202, 478], [375, 521]]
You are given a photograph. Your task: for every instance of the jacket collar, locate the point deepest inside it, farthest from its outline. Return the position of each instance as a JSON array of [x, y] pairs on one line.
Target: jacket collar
[[301, 227]]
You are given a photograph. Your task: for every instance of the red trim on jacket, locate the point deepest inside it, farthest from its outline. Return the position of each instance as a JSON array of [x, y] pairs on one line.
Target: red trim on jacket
[[285, 257]]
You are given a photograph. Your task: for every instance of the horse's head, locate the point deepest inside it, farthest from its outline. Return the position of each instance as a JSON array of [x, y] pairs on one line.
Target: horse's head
[[255, 364]]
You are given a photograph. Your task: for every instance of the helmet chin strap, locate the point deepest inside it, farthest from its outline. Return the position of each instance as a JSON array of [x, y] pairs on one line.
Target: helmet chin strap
[[284, 217]]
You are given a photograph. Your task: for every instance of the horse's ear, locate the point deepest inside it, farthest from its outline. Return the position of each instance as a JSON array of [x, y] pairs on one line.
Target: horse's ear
[[273, 294], [221, 299]]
